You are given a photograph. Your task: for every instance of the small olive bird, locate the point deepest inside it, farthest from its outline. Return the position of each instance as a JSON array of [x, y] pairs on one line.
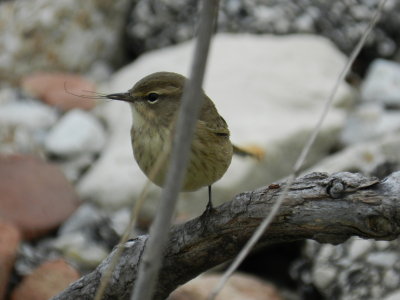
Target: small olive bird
[[155, 102]]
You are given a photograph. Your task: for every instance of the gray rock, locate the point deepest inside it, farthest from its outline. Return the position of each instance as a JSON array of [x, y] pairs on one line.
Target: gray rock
[[382, 83], [77, 133]]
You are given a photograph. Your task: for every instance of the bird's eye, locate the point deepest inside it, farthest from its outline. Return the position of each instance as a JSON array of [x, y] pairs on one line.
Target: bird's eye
[[152, 97]]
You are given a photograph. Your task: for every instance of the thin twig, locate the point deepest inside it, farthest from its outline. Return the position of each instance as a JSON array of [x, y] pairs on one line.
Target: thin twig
[[191, 103], [300, 161]]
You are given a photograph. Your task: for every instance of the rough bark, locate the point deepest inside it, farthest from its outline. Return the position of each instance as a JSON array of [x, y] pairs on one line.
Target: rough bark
[[326, 208]]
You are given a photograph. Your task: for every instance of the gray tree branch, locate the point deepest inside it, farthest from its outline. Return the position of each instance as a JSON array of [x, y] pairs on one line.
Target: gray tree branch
[[326, 208]]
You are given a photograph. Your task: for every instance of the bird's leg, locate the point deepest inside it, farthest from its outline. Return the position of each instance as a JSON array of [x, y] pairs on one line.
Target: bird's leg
[[209, 207]]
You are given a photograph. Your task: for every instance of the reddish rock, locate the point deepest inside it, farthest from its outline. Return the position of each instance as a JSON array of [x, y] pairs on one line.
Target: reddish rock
[[10, 238], [34, 195], [56, 89], [45, 281], [239, 287]]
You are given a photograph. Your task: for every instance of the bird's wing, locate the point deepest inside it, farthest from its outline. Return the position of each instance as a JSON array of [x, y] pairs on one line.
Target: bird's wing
[[218, 128]]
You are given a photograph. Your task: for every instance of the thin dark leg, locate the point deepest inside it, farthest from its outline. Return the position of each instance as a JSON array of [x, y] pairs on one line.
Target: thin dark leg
[[209, 204], [209, 207]]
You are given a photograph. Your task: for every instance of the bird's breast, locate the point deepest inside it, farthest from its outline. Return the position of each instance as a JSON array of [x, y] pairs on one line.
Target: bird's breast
[[209, 158]]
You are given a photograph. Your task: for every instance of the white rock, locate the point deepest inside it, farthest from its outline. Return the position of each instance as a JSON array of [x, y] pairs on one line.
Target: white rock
[[77, 133], [359, 247], [326, 253], [383, 259], [382, 83], [269, 89], [30, 114], [323, 275]]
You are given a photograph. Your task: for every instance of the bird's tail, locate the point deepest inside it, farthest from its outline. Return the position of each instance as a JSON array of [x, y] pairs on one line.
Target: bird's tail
[[252, 151]]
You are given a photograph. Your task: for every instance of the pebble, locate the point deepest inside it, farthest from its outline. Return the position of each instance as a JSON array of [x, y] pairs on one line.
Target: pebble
[[323, 276], [46, 281], [359, 247], [383, 259], [10, 238], [326, 252], [34, 195], [56, 89], [77, 133]]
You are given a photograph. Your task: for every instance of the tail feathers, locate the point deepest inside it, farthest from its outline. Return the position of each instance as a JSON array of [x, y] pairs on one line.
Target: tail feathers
[[252, 151]]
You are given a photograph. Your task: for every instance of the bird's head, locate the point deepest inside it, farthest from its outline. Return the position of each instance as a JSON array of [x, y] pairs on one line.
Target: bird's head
[[156, 97]]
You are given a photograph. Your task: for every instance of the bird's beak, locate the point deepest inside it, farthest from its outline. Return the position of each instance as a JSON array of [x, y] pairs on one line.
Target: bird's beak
[[120, 96]]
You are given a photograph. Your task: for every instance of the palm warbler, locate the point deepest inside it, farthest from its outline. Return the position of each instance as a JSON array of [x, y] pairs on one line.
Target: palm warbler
[[155, 101]]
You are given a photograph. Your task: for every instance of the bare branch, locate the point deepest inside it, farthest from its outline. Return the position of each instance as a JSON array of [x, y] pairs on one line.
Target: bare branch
[[326, 208]]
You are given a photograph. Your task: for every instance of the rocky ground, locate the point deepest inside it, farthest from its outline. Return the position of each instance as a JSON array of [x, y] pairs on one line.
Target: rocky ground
[[67, 174]]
